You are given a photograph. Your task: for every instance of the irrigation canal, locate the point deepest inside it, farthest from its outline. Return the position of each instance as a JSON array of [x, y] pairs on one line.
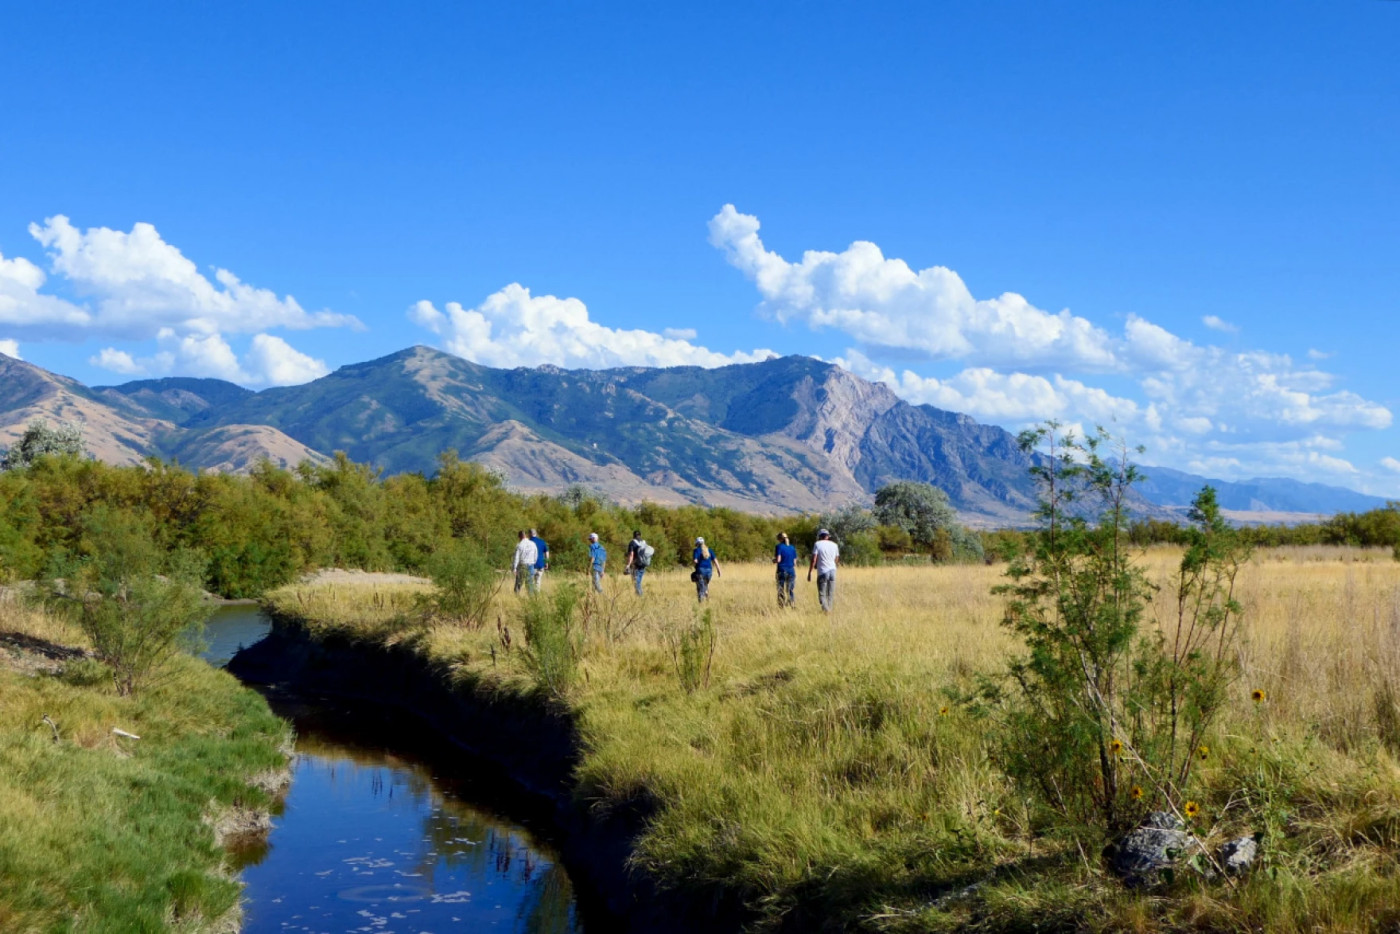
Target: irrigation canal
[[382, 833]]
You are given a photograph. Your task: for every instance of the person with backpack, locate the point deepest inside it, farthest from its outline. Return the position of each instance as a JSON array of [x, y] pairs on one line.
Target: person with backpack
[[541, 557], [706, 565], [785, 557], [639, 555], [826, 554], [598, 559], [523, 563]]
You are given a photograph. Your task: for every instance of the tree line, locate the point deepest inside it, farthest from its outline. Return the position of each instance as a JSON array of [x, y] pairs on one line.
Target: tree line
[[258, 531]]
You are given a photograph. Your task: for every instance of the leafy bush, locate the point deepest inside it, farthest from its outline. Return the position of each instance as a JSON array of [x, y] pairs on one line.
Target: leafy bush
[[967, 545], [466, 583], [1106, 713], [552, 640], [134, 615]]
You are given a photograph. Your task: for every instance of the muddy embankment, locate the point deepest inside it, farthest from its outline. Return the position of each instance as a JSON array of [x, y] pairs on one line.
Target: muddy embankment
[[523, 749]]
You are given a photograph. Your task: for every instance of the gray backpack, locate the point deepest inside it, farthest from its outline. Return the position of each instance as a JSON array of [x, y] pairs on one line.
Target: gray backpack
[[644, 554]]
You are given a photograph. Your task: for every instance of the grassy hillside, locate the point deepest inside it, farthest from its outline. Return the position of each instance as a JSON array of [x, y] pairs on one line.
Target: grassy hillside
[[824, 773]]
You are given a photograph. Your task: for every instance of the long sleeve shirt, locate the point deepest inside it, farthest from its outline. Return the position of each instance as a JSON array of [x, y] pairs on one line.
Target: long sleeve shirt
[[525, 555]]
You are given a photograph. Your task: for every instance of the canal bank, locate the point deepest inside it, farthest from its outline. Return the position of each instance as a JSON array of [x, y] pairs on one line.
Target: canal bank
[[516, 754], [385, 828], [115, 809]]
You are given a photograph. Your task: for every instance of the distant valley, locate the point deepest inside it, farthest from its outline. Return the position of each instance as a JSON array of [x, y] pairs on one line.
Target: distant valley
[[787, 434]]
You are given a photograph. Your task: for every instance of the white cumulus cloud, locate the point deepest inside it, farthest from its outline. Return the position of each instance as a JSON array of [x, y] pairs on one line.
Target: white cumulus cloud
[[10, 348], [1022, 364], [139, 284], [25, 309], [134, 286], [883, 303], [269, 361], [1391, 464], [117, 361], [514, 328], [273, 361]]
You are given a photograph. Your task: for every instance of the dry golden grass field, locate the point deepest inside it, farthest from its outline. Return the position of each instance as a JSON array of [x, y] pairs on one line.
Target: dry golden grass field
[[825, 773]]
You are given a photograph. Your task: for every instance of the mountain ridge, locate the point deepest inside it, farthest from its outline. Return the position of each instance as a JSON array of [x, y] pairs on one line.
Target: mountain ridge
[[787, 434]]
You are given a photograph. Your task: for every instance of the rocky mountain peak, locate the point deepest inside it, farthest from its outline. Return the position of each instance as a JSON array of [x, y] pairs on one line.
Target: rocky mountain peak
[[835, 410]]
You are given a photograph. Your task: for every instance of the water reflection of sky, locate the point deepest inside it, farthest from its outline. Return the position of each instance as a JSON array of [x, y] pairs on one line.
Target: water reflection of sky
[[229, 629], [372, 842], [368, 843]]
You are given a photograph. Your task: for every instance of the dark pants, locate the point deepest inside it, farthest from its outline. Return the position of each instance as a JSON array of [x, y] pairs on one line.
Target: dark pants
[[702, 586], [787, 581]]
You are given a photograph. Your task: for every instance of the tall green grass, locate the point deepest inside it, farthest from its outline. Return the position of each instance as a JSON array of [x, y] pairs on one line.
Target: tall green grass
[[100, 833]]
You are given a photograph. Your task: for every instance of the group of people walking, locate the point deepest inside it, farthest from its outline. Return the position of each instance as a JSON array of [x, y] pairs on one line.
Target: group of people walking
[[531, 560]]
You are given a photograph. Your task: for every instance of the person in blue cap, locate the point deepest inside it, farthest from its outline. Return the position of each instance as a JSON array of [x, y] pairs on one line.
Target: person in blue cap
[[598, 559]]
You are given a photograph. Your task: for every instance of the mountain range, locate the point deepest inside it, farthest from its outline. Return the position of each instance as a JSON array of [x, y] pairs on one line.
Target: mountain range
[[787, 434]]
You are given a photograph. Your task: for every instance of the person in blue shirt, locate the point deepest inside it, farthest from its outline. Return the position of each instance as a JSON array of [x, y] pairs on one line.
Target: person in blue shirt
[[598, 556], [785, 557], [706, 564], [541, 559]]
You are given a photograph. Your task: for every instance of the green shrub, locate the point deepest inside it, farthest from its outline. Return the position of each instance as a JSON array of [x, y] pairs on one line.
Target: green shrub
[[465, 580], [552, 640], [133, 602], [1106, 712]]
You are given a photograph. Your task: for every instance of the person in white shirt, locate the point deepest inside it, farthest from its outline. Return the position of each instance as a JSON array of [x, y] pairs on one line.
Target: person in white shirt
[[825, 556], [523, 564]]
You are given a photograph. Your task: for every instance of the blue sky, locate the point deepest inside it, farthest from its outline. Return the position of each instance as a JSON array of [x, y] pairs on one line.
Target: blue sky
[[1181, 218]]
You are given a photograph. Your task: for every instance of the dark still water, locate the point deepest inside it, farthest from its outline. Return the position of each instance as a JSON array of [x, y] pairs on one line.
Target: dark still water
[[373, 838], [232, 628]]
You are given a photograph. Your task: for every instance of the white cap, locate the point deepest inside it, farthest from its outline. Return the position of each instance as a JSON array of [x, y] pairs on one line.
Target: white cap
[[592, 536], [699, 541]]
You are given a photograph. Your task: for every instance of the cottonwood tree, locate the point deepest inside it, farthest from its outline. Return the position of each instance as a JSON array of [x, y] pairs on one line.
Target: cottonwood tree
[[40, 438], [924, 512], [921, 509]]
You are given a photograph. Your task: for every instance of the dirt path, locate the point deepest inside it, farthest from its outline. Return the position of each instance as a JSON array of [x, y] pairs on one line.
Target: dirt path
[[351, 576]]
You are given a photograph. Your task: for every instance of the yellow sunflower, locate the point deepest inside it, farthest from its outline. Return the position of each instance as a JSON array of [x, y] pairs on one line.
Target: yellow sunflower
[[1203, 753], [1116, 747], [1137, 792], [943, 711], [1258, 696], [1191, 810]]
